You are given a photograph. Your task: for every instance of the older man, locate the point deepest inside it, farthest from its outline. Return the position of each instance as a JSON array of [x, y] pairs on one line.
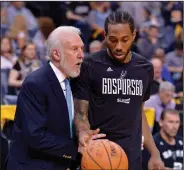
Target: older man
[[43, 136], [162, 100]]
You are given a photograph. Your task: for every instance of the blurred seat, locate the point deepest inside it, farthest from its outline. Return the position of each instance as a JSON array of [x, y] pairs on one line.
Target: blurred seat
[[4, 83], [7, 113], [10, 99], [150, 115]]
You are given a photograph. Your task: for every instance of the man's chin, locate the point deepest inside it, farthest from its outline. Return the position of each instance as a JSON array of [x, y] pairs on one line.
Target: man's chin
[[74, 74]]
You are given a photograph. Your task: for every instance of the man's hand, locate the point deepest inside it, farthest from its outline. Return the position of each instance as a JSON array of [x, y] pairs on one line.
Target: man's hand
[[155, 163], [85, 136]]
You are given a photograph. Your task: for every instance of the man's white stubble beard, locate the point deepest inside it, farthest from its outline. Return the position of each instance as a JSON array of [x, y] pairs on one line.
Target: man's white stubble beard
[[64, 66]]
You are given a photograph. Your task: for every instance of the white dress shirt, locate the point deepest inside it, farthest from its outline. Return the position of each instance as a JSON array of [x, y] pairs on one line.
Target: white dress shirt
[[61, 77]]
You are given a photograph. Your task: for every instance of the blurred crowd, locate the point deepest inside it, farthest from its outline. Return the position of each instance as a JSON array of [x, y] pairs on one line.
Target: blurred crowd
[[25, 27]]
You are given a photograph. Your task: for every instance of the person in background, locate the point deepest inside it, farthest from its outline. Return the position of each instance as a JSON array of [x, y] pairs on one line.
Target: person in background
[[95, 46], [151, 42], [26, 64], [8, 57], [174, 60], [157, 79], [166, 74], [169, 143], [164, 99], [18, 8]]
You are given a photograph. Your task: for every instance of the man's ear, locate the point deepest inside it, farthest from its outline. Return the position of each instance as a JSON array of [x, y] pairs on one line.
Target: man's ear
[[160, 123], [56, 54], [134, 34]]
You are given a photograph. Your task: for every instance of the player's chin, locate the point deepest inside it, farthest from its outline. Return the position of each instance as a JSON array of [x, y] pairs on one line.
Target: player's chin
[[119, 57]]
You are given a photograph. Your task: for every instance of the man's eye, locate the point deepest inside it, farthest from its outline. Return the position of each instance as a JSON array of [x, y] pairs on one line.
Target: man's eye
[[125, 41], [113, 41]]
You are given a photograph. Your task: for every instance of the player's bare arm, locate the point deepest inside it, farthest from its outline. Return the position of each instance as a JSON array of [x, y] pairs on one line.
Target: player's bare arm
[[82, 124], [149, 144], [81, 115]]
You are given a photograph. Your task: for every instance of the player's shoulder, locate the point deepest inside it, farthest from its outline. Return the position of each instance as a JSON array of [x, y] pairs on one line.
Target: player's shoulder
[[179, 139], [141, 61], [95, 57]]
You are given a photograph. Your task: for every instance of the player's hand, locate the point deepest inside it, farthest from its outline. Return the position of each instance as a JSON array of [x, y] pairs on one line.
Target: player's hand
[[85, 136], [155, 163]]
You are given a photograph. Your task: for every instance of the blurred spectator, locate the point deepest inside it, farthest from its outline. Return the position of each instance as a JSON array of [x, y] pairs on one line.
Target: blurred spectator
[[17, 8], [151, 42], [135, 9], [164, 99], [46, 26], [166, 75], [77, 14], [157, 79], [4, 18], [174, 60], [8, 58], [168, 142], [24, 65], [95, 46], [172, 13], [97, 18], [144, 25], [20, 42]]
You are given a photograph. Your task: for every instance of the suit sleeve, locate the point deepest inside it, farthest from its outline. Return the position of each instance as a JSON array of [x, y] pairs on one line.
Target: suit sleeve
[[32, 106]]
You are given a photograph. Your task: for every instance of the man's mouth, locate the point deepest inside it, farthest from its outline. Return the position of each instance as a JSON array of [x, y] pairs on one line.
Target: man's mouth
[[78, 64]]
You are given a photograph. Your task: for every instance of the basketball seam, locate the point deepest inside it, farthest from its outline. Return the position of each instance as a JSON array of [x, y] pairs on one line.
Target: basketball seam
[[120, 157], [94, 160], [107, 154]]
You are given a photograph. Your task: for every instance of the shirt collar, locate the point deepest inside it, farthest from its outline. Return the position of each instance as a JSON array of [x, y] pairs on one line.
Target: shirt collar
[[60, 76]]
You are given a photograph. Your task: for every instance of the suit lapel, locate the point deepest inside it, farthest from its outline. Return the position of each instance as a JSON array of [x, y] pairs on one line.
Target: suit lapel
[[56, 87]]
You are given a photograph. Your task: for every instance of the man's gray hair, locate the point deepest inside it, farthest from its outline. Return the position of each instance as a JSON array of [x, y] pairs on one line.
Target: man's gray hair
[[165, 85], [54, 39]]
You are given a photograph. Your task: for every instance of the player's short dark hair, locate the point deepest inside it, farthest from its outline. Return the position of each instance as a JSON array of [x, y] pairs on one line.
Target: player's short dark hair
[[166, 111], [119, 17]]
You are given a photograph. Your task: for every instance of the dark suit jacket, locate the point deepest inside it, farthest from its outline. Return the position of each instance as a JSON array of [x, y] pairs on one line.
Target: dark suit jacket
[[41, 134]]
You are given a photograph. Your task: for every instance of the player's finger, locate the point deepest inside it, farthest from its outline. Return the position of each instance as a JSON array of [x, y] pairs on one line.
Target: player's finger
[[96, 131], [97, 136]]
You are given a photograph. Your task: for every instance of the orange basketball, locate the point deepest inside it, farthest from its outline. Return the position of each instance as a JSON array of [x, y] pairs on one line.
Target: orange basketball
[[104, 154]]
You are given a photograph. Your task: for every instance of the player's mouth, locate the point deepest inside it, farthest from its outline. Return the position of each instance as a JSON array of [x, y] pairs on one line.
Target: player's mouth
[[118, 55]]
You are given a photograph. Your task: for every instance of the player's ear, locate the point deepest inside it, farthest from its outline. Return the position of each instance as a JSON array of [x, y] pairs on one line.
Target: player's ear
[[134, 35]]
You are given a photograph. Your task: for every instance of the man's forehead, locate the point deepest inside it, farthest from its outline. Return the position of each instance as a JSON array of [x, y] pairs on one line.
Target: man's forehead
[[119, 29]]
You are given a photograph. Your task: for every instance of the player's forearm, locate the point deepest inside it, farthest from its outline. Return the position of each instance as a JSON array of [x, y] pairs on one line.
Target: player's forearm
[[81, 115], [149, 143]]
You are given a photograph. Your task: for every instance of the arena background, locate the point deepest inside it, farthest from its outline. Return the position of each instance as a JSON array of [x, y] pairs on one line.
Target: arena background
[[159, 28]]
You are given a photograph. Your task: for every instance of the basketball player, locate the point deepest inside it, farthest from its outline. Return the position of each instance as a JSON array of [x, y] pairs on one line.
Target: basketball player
[[110, 93]]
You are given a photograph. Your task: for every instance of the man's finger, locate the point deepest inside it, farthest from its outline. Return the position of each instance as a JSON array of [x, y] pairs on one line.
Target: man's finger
[[97, 136], [96, 131]]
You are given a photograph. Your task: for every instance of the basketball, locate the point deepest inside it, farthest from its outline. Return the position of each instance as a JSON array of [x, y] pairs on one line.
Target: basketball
[[104, 154]]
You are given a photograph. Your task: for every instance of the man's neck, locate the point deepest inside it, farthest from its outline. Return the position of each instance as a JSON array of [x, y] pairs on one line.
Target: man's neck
[[167, 139]]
